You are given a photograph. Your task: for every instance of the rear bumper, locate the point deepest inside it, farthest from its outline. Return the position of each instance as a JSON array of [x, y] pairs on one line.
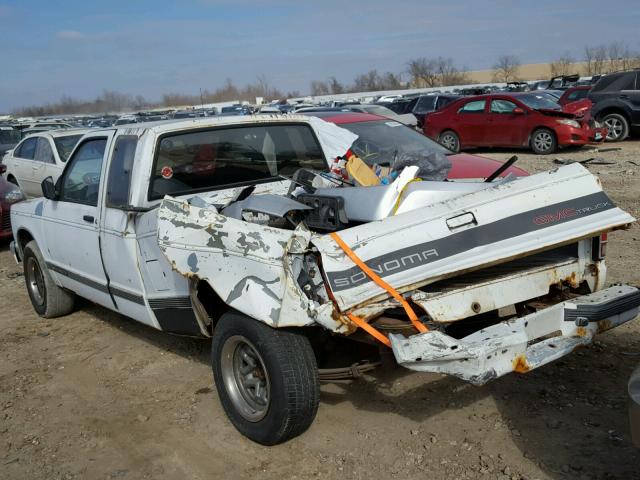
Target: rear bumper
[[634, 406], [522, 344]]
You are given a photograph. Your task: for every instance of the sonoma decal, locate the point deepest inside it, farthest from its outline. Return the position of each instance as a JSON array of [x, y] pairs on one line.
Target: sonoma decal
[[386, 268]]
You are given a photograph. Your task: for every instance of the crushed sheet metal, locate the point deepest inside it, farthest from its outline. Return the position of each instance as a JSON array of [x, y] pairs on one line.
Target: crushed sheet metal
[[243, 262], [520, 345]]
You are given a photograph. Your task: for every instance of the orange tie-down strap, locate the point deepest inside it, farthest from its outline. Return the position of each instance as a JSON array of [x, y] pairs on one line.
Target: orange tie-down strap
[[392, 291]]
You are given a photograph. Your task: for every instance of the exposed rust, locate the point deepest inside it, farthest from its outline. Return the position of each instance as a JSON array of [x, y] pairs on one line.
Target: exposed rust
[[604, 325], [581, 331], [520, 364]]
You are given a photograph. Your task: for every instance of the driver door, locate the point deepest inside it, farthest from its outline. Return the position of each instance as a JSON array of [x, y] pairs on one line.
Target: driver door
[[74, 246], [507, 128]]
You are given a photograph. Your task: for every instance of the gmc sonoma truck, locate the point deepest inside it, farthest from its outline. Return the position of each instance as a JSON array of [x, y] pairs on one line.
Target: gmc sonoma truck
[[235, 228]]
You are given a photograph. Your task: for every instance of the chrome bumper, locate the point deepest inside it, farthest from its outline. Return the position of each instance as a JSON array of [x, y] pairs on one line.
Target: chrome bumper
[[522, 344]]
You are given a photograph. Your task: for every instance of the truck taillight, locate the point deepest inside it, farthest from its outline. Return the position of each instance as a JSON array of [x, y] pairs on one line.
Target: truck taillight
[[599, 247]]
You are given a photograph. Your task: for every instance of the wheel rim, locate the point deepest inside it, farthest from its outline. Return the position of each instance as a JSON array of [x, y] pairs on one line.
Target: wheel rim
[[35, 281], [245, 378], [543, 141], [449, 141], [614, 127]]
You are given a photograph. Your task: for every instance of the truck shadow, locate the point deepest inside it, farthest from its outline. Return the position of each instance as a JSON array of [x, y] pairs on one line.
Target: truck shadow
[[569, 417]]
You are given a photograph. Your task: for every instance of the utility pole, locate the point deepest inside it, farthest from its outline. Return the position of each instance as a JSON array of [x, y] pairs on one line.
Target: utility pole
[[201, 101]]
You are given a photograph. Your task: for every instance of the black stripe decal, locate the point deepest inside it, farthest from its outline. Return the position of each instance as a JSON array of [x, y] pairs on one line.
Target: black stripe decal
[[132, 297], [435, 250], [78, 278]]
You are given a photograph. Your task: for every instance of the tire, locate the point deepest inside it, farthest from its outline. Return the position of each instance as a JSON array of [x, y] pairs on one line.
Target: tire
[[617, 125], [282, 367], [48, 299], [543, 141], [449, 139]]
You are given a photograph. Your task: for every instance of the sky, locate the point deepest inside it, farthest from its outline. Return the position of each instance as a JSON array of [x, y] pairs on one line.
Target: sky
[[79, 48]]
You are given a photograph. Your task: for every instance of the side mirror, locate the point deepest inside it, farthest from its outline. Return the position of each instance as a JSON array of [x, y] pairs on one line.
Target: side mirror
[[517, 111], [49, 189]]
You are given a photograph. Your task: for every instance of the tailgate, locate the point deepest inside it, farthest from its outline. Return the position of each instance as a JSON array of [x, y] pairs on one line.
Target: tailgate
[[510, 220]]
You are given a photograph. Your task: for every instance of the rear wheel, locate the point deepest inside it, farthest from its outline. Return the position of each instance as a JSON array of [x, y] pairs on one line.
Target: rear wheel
[[48, 299], [450, 140], [267, 379], [543, 141], [617, 126]]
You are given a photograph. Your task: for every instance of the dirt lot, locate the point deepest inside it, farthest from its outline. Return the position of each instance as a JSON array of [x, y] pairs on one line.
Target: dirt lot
[[96, 396]]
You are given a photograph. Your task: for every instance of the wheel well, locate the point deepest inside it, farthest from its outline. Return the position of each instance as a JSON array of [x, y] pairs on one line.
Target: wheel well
[[12, 179], [209, 301], [609, 110], [24, 237]]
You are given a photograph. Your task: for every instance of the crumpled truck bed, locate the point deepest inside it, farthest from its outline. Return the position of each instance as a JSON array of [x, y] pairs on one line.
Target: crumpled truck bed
[[251, 267]]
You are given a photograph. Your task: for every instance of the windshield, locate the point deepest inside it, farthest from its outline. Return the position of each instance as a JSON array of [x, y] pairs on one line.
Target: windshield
[[382, 141], [9, 136], [538, 101], [228, 157], [65, 145]]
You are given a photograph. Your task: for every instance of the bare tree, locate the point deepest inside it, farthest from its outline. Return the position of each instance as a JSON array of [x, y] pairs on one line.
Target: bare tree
[[391, 81], [335, 86], [449, 74], [562, 66], [318, 87], [506, 69], [595, 60], [422, 73]]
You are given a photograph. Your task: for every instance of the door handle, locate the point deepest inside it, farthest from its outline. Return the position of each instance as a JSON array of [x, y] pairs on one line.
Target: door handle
[[88, 218], [624, 96]]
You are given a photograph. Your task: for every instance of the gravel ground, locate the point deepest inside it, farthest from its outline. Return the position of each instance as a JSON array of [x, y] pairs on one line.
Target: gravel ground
[[94, 395]]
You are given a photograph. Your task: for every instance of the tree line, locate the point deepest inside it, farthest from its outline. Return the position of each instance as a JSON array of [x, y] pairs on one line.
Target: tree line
[[420, 72]]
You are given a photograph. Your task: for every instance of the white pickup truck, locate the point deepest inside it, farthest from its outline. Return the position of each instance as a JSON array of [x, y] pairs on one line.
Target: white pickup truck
[[231, 228]]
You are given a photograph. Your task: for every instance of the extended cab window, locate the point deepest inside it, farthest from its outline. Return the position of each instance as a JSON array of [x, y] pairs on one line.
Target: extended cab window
[[81, 181], [28, 149], [119, 180], [226, 157], [477, 106]]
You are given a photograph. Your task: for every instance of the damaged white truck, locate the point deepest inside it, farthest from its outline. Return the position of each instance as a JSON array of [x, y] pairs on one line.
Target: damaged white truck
[[254, 231]]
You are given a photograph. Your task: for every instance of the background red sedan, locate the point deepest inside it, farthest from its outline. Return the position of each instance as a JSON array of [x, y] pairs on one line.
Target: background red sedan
[[510, 120]]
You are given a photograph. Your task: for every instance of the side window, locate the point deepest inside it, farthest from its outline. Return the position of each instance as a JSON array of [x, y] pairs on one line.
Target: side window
[[502, 106], [425, 104], [44, 153], [81, 180], [227, 157], [476, 106], [119, 179], [28, 149], [442, 101]]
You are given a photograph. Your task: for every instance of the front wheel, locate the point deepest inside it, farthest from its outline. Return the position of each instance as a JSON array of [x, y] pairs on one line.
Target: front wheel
[[450, 140], [48, 299], [543, 141], [267, 378], [617, 127]]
